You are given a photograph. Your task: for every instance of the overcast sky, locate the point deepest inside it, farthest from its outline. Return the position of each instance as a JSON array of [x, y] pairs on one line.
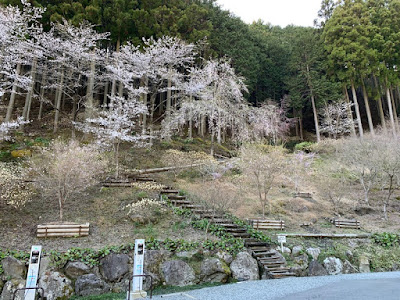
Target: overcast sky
[[276, 12]]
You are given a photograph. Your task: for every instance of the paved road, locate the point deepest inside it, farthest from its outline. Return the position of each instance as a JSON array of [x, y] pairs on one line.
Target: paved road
[[374, 286]]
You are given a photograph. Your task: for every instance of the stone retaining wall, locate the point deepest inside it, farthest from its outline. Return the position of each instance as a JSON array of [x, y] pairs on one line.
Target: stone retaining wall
[[166, 268]]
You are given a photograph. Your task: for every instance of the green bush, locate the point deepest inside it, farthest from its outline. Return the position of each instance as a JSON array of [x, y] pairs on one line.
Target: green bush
[[304, 146], [386, 239]]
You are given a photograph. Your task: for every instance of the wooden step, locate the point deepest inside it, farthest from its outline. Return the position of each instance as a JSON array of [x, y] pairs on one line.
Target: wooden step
[[176, 197], [240, 234], [259, 248], [222, 221], [169, 191], [255, 244], [231, 225], [264, 254], [238, 230], [180, 202]]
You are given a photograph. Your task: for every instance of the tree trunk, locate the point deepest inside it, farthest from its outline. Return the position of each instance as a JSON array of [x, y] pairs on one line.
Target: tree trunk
[[144, 83], [396, 121], [28, 99], [152, 108], [380, 107], [190, 129], [357, 109], [10, 107], [315, 118], [366, 102], [390, 107], [58, 101], [105, 96], [41, 97], [89, 107], [168, 109], [349, 112]]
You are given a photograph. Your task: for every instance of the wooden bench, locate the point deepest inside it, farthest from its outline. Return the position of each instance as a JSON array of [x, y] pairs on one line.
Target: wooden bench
[[259, 224], [347, 224], [62, 230]]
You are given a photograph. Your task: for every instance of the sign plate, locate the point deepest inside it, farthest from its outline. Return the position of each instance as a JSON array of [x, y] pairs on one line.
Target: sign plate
[[281, 238]]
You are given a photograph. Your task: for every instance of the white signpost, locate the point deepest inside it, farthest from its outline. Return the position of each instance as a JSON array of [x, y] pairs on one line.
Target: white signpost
[[33, 272], [281, 240], [136, 291]]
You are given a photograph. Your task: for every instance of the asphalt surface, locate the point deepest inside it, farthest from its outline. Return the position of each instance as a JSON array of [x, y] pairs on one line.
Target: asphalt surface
[[372, 286]]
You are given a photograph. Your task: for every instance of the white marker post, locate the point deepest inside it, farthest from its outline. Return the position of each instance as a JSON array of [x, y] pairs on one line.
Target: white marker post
[[137, 283], [33, 272], [282, 240]]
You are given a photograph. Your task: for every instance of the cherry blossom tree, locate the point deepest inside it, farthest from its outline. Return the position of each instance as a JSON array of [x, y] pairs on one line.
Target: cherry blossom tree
[[67, 169], [336, 121], [269, 121], [116, 125]]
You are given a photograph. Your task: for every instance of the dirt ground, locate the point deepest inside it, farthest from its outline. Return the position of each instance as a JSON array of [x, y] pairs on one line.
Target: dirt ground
[[109, 224]]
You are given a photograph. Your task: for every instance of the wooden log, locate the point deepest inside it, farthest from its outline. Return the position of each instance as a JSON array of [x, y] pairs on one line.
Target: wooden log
[[328, 235], [63, 226], [59, 234], [62, 230]]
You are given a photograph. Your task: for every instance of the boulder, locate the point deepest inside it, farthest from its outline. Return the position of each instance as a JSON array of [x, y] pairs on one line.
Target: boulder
[[297, 250], [213, 270], [333, 265], [225, 256], [348, 268], [244, 267], [123, 286], [285, 249], [9, 288], [45, 265], [114, 266], [90, 284], [56, 286], [177, 273], [313, 252], [316, 269], [153, 260], [74, 269], [13, 268], [364, 264], [186, 254], [301, 264]]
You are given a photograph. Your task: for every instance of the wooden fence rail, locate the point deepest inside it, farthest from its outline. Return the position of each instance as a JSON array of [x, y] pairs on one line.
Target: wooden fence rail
[[62, 230], [267, 224], [347, 224]]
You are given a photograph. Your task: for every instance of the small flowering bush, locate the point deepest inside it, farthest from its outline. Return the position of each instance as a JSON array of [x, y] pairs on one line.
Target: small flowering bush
[[146, 210], [13, 190], [148, 186]]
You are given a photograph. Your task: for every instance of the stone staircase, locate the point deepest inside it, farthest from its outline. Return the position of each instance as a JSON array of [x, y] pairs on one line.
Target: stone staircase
[[270, 260]]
